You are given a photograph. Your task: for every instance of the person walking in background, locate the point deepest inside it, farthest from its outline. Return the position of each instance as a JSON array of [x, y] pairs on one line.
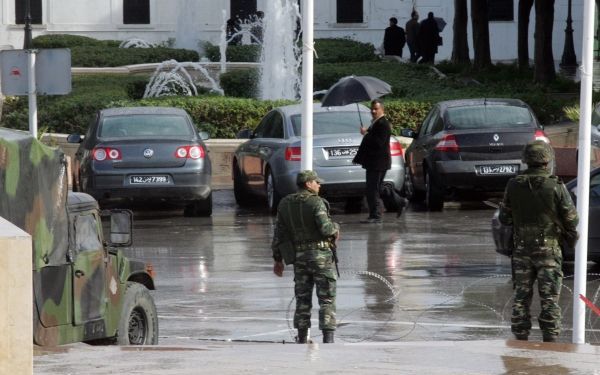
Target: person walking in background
[[541, 211], [374, 155], [305, 236], [394, 39], [428, 39], [412, 33]]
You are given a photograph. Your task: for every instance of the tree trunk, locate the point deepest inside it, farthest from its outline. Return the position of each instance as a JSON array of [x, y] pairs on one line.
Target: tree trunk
[[481, 34], [543, 58], [460, 42], [523, 38]]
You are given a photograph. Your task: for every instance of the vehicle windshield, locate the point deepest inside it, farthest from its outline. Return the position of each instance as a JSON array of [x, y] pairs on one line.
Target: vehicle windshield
[[144, 126], [487, 116], [596, 116], [333, 122]]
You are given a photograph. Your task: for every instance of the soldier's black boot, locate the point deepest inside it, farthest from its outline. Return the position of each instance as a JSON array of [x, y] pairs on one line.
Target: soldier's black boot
[[521, 337], [302, 335], [328, 337], [550, 338]]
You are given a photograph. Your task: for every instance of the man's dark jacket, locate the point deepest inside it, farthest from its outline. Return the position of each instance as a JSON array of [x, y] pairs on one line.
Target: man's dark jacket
[[374, 150], [394, 39]]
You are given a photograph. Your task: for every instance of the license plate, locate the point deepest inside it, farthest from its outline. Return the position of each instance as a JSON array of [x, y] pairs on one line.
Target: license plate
[[497, 169], [149, 179], [342, 152]]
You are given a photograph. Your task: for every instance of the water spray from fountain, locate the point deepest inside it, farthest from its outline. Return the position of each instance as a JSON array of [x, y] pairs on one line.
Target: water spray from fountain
[[174, 78], [246, 29], [136, 43]]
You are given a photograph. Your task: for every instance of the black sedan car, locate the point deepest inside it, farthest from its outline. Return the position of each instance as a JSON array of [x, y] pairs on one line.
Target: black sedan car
[[144, 153], [501, 232], [467, 146]]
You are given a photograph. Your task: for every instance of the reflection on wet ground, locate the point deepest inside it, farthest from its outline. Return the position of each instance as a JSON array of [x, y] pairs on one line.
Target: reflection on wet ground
[[424, 276]]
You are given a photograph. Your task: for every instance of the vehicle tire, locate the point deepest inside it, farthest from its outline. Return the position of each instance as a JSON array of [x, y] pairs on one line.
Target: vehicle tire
[[200, 207], [434, 195], [411, 193], [273, 196], [242, 197], [138, 323], [353, 205]]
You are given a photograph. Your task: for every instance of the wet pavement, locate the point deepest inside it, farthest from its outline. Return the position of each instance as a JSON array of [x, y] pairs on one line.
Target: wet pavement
[[424, 293]]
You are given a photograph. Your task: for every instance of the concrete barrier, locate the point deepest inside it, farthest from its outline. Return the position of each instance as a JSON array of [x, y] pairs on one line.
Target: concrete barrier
[[16, 301]]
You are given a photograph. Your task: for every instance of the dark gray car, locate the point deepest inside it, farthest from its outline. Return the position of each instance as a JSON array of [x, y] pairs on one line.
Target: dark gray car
[[144, 153]]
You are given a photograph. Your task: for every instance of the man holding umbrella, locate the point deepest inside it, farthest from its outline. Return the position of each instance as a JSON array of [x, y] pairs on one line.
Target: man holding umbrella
[[374, 156]]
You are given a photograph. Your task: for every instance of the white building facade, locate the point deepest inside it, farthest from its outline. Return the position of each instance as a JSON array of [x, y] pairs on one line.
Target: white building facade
[[190, 23]]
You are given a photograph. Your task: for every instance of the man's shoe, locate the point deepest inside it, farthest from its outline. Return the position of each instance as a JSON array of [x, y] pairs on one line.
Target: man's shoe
[[302, 336], [401, 207], [371, 220], [521, 337], [328, 337], [550, 338]]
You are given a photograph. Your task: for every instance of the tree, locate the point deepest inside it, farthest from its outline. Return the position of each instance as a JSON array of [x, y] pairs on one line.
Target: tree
[[523, 36], [460, 42], [543, 58], [481, 34]]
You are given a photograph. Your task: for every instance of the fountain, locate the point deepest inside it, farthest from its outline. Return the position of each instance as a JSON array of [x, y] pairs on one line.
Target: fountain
[[136, 43], [174, 78]]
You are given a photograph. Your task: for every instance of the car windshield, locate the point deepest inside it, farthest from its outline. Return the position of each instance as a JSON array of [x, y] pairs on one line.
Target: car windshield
[[596, 116], [487, 116], [333, 122], [144, 126]]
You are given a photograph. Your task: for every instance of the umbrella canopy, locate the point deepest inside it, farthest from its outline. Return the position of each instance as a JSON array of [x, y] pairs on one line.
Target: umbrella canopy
[[355, 89], [440, 23]]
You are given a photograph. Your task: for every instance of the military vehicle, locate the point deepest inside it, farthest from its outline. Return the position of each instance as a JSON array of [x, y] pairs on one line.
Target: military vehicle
[[84, 288]]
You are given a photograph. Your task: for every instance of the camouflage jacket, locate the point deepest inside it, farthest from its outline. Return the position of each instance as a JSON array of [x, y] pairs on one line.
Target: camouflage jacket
[[302, 218], [534, 203]]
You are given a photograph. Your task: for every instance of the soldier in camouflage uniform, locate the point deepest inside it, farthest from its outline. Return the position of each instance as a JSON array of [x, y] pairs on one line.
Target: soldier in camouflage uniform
[[540, 208], [303, 236]]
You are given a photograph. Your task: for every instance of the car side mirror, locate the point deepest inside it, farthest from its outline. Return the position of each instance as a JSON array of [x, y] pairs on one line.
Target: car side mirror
[[121, 228], [409, 133], [74, 138], [244, 134], [204, 135]]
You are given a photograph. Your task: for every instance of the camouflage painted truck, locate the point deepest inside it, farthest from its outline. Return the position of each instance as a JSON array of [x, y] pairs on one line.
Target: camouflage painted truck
[[84, 288]]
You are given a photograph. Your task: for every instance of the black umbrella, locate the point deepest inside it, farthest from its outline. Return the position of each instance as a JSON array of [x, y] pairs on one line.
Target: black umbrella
[[355, 89], [441, 23]]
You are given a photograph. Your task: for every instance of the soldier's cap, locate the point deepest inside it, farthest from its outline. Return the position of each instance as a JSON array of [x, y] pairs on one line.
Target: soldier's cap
[[306, 176]]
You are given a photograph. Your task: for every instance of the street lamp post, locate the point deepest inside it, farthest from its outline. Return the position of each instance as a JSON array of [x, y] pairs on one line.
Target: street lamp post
[[569, 60], [27, 41]]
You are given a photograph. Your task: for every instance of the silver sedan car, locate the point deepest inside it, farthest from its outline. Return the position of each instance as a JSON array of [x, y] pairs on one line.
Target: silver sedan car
[[267, 164]]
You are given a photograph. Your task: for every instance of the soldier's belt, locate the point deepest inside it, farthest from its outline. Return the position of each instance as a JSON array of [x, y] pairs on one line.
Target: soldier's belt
[[309, 245]]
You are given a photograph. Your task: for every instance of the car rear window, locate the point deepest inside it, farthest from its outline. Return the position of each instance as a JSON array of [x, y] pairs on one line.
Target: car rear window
[[144, 126], [487, 116], [333, 122]]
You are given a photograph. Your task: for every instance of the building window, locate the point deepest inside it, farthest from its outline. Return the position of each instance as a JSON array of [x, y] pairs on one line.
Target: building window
[[35, 9], [244, 9], [501, 10], [350, 11], [136, 11]]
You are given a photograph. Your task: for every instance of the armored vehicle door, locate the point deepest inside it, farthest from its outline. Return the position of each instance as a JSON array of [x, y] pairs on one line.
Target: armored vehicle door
[[89, 268]]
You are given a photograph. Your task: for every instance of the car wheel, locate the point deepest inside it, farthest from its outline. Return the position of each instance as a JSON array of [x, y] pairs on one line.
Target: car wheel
[[353, 205], [273, 196], [412, 194], [434, 195], [240, 193], [200, 207], [138, 323]]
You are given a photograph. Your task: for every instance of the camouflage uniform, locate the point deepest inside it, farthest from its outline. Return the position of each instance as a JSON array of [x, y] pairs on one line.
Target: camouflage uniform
[[534, 203], [303, 220]]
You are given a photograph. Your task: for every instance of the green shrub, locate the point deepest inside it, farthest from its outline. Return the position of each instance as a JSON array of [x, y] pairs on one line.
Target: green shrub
[[338, 50], [242, 53], [93, 56], [70, 41], [240, 83]]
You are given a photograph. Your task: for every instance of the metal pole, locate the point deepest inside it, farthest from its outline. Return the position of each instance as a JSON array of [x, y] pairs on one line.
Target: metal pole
[[31, 93], [307, 84], [569, 59], [583, 172], [27, 42]]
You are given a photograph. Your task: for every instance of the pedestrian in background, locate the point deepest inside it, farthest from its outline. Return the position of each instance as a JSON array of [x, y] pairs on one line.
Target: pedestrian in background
[[374, 155], [429, 39], [412, 33], [541, 211], [394, 39], [305, 236]]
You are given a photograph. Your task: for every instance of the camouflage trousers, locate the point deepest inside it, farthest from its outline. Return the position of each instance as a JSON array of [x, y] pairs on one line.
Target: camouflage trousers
[[315, 268], [545, 265]]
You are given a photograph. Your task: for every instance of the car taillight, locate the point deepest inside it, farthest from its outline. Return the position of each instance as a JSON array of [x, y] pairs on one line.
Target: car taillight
[[189, 152], [293, 153], [103, 153], [395, 148], [447, 144], [541, 136]]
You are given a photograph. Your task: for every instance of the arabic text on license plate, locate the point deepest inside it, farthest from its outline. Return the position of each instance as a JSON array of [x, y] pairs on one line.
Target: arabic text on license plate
[[342, 152], [498, 169], [149, 179]]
